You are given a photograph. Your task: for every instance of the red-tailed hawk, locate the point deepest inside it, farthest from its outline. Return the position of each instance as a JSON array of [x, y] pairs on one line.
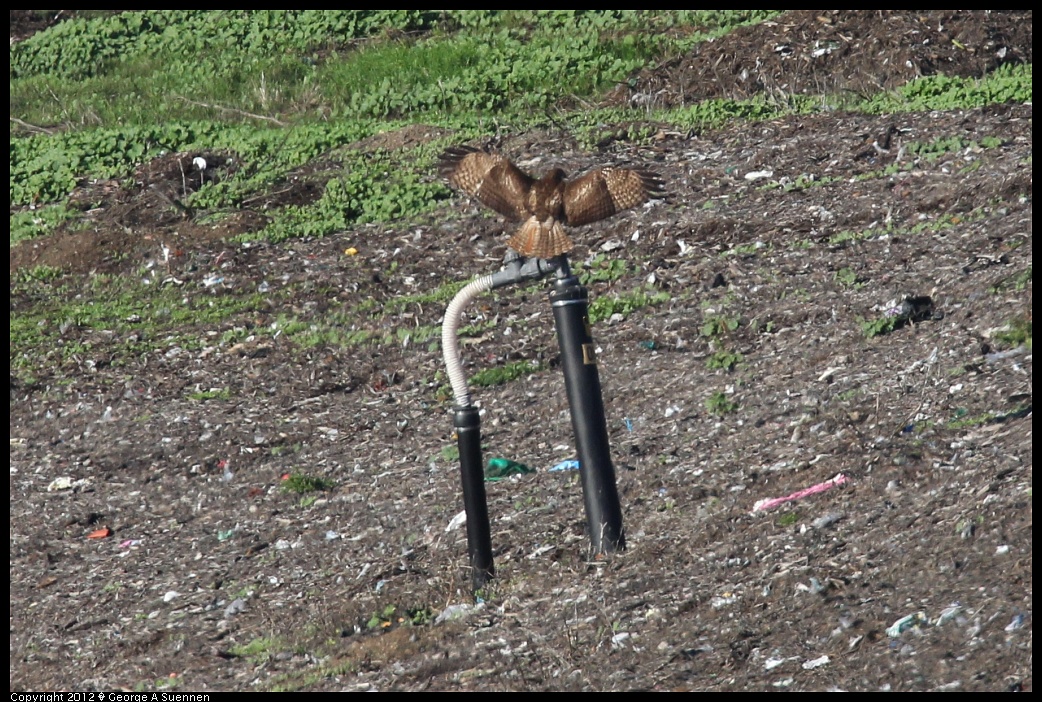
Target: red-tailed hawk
[[547, 204]]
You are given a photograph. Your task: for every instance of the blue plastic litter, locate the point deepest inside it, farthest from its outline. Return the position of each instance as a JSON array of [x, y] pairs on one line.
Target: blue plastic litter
[[565, 465]]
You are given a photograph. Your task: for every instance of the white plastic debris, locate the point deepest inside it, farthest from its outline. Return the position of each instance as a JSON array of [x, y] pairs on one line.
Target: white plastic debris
[[62, 483], [457, 611], [758, 175], [815, 663], [905, 623], [947, 614], [171, 595], [1016, 623], [720, 601], [457, 521]]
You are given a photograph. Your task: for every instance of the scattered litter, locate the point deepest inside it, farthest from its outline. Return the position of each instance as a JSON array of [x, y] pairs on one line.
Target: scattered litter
[[212, 280], [772, 663], [815, 663], [351, 251], [571, 464], [648, 345], [130, 543], [619, 639], [62, 483], [457, 521], [332, 535], [102, 533], [758, 175], [1001, 550], [720, 601], [905, 623], [457, 611], [282, 545], [816, 587], [771, 503], [827, 520], [912, 308], [171, 595], [499, 468], [238, 606], [997, 356], [947, 614], [66, 483], [540, 551], [629, 424], [1016, 623], [225, 535], [671, 410]]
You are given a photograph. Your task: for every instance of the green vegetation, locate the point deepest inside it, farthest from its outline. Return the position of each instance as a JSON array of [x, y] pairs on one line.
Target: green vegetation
[[881, 325], [714, 325], [503, 374], [723, 360], [1017, 333], [1008, 83], [847, 278], [37, 222], [1018, 281], [603, 269], [258, 650], [989, 418], [301, 484], [719, 404], [625, 304]]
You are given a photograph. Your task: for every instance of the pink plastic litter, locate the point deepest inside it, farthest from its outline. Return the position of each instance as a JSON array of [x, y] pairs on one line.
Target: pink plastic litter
[[773, 502]]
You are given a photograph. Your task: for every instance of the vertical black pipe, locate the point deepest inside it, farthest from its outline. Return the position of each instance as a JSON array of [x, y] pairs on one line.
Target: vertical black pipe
[[570, 304], [479, 536]]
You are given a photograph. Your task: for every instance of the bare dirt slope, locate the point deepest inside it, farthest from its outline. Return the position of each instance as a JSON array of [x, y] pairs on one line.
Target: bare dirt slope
[[216, 578]]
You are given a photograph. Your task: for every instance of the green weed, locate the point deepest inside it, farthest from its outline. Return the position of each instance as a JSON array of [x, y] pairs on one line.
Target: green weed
[[1017, 333], [723, 360], [301, 484], [503, 374], [719, 404], [714, 325]]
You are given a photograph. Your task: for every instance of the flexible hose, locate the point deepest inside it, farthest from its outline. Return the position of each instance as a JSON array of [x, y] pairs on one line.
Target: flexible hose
[[449, 340]]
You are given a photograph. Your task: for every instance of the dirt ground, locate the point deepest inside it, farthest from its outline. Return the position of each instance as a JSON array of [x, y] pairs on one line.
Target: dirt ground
[[213, 577]]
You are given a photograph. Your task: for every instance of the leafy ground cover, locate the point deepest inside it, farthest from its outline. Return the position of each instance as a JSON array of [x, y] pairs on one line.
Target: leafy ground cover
[[232, 464]]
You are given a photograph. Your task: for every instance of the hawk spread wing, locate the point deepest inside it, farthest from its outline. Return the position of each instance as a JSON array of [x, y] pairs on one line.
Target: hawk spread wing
[[491, 178], [547, 204]]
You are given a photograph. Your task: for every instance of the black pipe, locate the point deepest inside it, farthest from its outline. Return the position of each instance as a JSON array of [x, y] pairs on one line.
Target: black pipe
[[479, 536], [570, 303]]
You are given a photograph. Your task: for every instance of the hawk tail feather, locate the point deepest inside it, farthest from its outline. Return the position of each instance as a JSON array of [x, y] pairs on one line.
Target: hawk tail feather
[[541, 240]]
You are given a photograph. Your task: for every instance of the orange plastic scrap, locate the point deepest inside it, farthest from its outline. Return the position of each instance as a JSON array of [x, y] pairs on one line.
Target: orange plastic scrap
[[102, 533]]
